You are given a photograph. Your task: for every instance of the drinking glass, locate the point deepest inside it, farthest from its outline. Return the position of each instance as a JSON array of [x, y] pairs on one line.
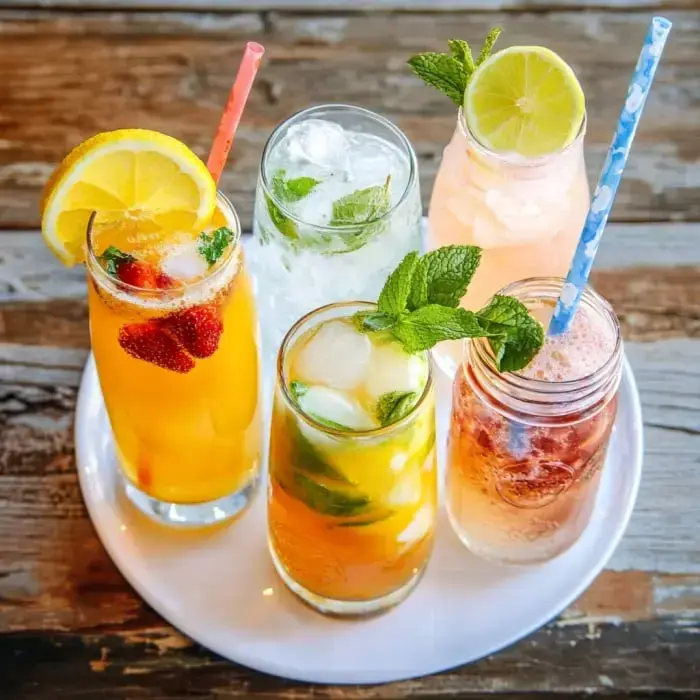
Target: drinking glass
[[526, 214], [525, 453], [187, 429], [351, 514], [310, 248]]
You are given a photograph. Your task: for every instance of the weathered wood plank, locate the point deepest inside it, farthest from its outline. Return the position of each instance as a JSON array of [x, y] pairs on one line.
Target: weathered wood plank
[[172, 72], [353, 5], [570, 660]]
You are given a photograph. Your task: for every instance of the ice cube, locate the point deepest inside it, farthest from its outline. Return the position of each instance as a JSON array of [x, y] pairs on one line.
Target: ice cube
[[337, 355], [319, 142], [419, 526], [407, 490], [324, 403], [392, 369], [184, 262]]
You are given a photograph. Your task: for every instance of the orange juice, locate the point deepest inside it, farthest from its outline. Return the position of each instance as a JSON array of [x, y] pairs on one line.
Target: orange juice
[[353, 495], [176, 348]]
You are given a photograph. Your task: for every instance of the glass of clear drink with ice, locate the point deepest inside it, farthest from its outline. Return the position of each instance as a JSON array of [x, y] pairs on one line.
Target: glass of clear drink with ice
[[337, 207]]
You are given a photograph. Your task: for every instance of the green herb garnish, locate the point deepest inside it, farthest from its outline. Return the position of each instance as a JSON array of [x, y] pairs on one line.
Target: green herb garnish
[[287, 191], [451, 72], [419, 307], [361, 210], [362, 206], [394, 405], [112, 258], [334, 502], [212, 244]]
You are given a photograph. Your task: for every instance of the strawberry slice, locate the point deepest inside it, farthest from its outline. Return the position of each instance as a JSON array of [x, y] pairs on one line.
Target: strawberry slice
[[198, 328], [137, 274], [150, 342]]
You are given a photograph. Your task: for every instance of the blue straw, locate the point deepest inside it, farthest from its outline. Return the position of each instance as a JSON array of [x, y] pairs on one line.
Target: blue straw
[[610, 176]]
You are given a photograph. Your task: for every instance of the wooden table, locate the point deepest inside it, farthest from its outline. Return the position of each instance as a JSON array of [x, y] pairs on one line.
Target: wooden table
[[70, 627]]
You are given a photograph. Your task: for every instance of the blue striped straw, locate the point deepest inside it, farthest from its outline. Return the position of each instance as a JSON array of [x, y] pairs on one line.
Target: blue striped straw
[[610, 176]]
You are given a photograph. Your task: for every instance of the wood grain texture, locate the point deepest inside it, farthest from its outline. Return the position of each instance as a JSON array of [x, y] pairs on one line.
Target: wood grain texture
[[172, 72], [70, 626], [353, 5]]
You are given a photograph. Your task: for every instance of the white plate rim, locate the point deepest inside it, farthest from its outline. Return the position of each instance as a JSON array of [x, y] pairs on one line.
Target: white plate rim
[[86, 392]]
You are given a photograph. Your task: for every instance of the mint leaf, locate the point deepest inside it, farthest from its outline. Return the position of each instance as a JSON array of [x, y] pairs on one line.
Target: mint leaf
[[292, 190], [516, 336], [423, 328], [298, 389], [211, 245], [443, 275], [287, 191], [281, 221], [462, 52], [112, 258], [333, 502], [362, 206], [450, 73], [394, 405], [394, 294], [306, 458], [443, 72], [489, 42], [372, 321]]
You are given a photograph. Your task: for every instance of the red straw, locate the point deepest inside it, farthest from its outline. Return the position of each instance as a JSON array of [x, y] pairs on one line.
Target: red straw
[[234, 108]]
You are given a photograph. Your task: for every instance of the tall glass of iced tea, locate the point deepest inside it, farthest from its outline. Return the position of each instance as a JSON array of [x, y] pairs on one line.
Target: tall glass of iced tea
[[526, 450], [174, 334], [353, 487]]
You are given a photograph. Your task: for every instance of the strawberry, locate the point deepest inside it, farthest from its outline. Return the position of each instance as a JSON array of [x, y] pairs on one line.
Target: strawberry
[[150, 342], [137, 274], [164, 281], [198, 328]]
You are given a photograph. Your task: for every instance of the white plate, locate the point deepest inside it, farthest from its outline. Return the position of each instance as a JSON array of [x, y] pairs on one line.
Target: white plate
[[219, 586]]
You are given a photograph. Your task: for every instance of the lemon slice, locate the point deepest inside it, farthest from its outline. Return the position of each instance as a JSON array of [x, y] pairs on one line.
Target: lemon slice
[[148, 179], [524, 99]]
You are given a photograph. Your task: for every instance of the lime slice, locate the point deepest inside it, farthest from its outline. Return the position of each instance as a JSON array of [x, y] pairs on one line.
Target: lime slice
[[526, 100]]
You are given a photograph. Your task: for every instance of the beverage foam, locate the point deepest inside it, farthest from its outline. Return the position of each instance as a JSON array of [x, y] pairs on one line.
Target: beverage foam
[[578, 353], [180, 260]]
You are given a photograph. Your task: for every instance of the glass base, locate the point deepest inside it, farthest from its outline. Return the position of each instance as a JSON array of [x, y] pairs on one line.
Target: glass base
[[193, 514], [345, 608], [524, 554]]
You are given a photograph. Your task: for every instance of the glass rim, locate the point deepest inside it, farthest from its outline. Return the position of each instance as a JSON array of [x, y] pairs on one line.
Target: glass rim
[[287, 342], [304, 113], [538, 388], [93, 264], [513, 159]]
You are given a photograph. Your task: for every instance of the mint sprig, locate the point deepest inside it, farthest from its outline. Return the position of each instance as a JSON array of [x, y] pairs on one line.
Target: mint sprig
[[419, 307], [112, 258], [211, 245], [287, 191], [450, 73], [516, 337]]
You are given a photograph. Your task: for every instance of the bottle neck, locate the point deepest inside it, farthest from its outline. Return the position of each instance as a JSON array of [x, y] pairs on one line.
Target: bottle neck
[[538, 401]]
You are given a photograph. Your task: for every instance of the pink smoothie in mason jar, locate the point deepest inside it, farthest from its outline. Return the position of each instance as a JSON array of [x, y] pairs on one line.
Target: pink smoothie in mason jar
[[526, 450]]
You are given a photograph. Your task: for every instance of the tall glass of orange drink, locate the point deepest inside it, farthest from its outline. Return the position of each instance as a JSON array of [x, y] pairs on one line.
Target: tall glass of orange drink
[[353, 484], [174, 334]]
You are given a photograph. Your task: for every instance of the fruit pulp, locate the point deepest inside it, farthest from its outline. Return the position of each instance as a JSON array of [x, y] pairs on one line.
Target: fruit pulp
[[178, 367], [351, 513], [525, 214]]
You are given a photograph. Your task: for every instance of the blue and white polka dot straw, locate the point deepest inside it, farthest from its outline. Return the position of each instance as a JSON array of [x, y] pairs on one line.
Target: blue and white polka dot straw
[[610, 177]]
